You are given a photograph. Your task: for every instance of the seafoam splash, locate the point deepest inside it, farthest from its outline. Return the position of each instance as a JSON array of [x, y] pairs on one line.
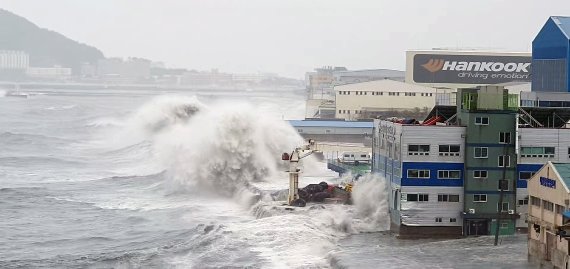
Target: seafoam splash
[[370, 197]]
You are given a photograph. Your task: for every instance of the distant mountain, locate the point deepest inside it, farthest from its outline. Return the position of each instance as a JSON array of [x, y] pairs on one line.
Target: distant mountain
[[46, 48]]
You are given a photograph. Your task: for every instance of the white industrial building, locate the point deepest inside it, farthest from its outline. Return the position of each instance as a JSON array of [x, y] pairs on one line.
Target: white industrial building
[[359, 100], [49, 72], [14, 60]]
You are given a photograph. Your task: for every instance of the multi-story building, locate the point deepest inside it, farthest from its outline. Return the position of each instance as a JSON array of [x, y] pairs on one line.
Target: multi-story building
[[14, 60]]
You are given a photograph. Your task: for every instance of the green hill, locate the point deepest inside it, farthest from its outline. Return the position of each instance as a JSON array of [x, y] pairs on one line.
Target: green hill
[[46, 48]]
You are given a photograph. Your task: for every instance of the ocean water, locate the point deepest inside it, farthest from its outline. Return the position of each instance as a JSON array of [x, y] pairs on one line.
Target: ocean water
[[143, 179]]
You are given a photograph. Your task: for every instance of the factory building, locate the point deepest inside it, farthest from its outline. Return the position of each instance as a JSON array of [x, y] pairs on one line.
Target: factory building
[[381, 97]]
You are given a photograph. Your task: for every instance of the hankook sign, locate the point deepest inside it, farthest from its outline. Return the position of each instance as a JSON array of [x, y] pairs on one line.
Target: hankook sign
[[470, 69]]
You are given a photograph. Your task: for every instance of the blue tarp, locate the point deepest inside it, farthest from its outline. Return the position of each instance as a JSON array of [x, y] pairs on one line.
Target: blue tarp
[[566, 214]]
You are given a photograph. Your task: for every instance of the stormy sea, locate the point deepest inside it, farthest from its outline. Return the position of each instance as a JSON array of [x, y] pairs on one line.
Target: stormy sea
[[189, 179]]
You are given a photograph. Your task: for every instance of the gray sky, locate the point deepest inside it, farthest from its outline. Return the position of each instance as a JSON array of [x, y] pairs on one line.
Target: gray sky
[[289, 37]]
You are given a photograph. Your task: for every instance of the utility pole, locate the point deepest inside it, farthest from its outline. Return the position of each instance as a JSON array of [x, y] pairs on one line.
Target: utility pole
[[502, 184]]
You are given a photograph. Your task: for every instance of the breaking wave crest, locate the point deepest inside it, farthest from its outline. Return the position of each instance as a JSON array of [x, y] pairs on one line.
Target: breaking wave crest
[[220, 148], [224, 149]]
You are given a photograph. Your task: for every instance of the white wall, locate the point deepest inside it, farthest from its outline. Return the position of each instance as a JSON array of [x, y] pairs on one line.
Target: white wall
[[424, 213], [376, 96], [545, 137], [434, 136]]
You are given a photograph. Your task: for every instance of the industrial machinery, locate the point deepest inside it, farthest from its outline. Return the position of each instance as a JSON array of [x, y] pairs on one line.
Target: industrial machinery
[[294, 158]]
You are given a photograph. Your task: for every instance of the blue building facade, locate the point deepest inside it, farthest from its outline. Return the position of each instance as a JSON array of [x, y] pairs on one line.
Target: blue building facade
[[551, 56]]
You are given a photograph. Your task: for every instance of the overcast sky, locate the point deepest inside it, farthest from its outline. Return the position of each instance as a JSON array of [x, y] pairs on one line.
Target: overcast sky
[[289, 37]]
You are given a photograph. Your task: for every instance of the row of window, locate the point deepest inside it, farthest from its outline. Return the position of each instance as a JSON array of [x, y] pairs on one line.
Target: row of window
[[444, 150], [547, 205], [424, 197], [478, 198], [441, 174], [456, 174], [382, 93], [439, 219]]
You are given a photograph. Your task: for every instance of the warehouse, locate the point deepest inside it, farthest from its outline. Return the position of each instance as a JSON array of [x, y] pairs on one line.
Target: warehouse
[[381, 98], [548, 215]]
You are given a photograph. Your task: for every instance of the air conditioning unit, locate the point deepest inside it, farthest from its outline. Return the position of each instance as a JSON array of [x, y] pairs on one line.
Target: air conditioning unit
[[511, 212], [471, 210]]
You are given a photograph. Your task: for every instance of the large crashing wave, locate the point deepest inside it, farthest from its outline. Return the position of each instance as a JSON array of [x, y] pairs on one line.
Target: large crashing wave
[[220, 148]]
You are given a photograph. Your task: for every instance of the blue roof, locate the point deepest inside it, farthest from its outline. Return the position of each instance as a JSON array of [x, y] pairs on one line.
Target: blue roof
[[331, 123], [563, 23]]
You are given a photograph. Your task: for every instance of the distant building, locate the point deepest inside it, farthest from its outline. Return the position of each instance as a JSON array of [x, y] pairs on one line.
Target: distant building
[[88, 70], [551, 56], [319, 83], [49, 72], [212, 78], [14, 60], [380, 97], [356, 76], [132, 68]]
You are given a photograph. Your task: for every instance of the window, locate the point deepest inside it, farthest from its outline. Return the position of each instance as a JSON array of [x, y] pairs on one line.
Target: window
[[535, 201], [537, 152], [452, 220], [480, 174], [523, 201], [363, 156], [416, 173], [568, 152], [412, 197], [448, 174], [504, 161], [526, 175], [418, 150], [481, 152], [560, 209], [438, 219], [504, 208], [339, 111], [504, 225], [481, 121], [454, 198], [505, 138], [548, 205], [449, 150], [480, 198]]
